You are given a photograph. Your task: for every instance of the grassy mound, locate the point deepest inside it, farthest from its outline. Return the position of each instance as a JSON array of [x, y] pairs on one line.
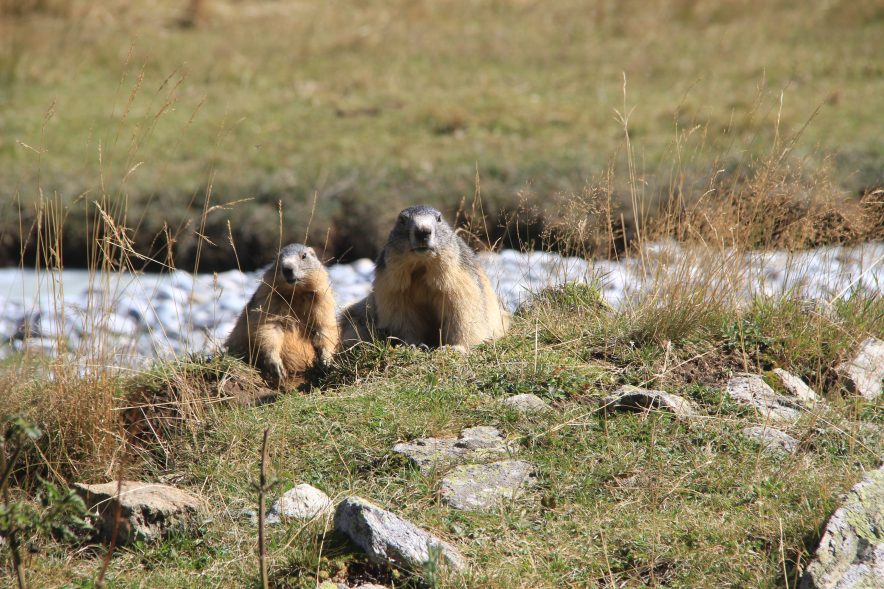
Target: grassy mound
[[624, 500]]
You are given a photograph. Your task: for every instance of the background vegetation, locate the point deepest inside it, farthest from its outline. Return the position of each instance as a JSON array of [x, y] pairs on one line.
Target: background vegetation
[[345, 111]]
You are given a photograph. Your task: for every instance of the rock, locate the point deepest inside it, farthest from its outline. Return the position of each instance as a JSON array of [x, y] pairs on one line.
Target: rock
[[773, 440], [865, 372], [633, 398], [750, 389], [249, 514], [481, 487], [526, 403], [475, 444], [302, 502], [364, 266], [482, 437], [430, 454], [796, 386], [851, 551], [148, 511], [391, 540]]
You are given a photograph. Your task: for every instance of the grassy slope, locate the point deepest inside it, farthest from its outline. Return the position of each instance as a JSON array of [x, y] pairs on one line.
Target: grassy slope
[[372, 105], [628, 500]]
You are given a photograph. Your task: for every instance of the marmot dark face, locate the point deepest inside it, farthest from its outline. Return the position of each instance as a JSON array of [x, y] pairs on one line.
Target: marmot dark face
[[295, 266], [421, 231]]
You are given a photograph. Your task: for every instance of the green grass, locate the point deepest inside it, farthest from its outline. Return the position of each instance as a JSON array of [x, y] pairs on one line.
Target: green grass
[[360, 108], [625, 500]]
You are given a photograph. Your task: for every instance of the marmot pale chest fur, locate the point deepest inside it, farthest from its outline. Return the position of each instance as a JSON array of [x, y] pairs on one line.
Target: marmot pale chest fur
[[428, 289], [289, 323]]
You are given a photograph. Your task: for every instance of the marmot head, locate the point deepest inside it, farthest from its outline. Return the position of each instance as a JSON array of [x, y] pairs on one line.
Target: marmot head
[[295, 267], [420, 231]]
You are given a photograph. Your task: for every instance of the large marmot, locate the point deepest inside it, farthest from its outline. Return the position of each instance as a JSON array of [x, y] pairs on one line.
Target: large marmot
[[289, 323], [428, 289]]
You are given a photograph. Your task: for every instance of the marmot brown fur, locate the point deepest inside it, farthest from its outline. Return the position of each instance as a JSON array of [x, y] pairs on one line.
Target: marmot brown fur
[[428, 289], [289, 323]]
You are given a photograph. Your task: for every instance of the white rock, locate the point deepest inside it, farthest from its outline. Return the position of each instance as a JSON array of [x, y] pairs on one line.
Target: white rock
[[865, 372], [638, 399], [475, 444], [343, 274], [796, 386], [301, 502], [181, 280], [222, 330], [364, 266], [203, 318], [526, 403], [851, 551], [119, 324], [482, 487], [773, 440], [40, 346], [750, 389], [148, 511]]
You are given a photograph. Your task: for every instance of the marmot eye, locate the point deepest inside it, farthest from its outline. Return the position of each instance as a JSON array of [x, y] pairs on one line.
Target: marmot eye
[[438, 217], [304, 256], [401, 219]]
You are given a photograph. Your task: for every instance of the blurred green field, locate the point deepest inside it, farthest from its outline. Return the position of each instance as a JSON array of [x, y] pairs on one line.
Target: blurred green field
[[345, 111]]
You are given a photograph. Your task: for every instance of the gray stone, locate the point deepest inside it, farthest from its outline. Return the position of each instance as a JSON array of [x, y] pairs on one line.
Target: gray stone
[[773, 440], [633, 398], [301, 502], [851, 551], [750, 389], [249, 514], [475, 444], [148, 511], [796, 386], [865, 372], [482, 437], [391, 540], [526, 403], [482, 487]]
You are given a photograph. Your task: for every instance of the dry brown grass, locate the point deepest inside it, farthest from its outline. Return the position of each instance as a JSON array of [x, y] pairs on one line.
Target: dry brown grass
[[774, 205]]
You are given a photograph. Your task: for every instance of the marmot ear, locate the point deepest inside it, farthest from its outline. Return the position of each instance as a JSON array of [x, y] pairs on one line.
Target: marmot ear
[[311, 251]]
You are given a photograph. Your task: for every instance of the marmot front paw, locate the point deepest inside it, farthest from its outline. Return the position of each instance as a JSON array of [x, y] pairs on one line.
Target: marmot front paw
[[275, 373], [325, 358]]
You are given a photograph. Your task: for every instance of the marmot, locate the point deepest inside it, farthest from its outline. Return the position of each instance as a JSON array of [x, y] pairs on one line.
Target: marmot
[[289, 323], [428, 289]]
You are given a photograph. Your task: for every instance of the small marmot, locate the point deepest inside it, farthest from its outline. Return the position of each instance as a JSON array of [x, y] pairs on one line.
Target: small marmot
[[428, 289], [289, 323]]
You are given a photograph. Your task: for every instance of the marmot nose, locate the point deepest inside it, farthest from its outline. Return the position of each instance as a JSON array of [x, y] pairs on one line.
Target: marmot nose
[[288, 273], [422, 233]]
